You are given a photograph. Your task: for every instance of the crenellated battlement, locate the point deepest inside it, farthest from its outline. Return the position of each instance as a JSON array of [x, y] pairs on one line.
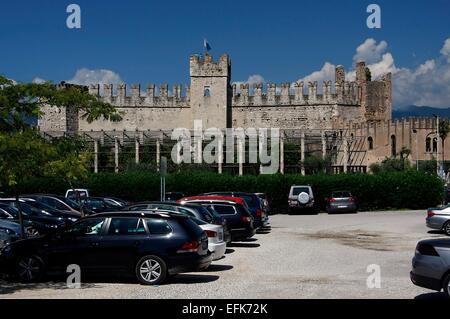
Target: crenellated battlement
[[204, 66], [345, 93], [152, 97]]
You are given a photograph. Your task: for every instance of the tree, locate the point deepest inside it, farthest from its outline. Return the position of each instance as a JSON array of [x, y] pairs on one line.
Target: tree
[[19, 101], [368, 74], [23, 152], [22, 155], [444, 130]]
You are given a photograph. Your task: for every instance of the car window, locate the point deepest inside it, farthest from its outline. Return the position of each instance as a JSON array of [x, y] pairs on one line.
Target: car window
[[94, 203], [139, 207], [186, 211], [126, 226], [161, 206], [298, 190], [252, 201], [158, 226], [224, 209], [89, 227], [4, 214], [341, 194]]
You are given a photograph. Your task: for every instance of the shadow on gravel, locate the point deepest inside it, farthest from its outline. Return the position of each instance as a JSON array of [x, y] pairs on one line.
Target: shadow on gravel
[[245, 245], [191, 279], [213, 268], [431, 296], [229, 250], [436, 232], [9, 287]]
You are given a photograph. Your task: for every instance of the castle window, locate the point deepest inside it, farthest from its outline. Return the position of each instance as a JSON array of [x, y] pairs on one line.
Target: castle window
[[370, 141], [393, 146], [428, 144], [207, 92], [435, 145]]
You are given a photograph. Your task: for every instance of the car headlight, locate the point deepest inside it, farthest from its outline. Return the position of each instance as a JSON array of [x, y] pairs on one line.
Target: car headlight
[[73, 219]]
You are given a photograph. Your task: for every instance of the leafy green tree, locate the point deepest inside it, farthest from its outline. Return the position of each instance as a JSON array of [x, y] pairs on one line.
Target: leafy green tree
[[444, 130]]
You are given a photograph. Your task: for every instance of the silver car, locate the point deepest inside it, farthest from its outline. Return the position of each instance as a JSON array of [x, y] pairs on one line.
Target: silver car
[[301, 197], [431, 265], [439, 219]]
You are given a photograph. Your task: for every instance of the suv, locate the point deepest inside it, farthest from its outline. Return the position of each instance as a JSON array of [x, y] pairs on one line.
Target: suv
[[150, 245], [301, 197]]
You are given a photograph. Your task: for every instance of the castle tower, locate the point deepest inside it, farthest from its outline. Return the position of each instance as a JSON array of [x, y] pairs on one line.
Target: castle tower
[[210, 91]]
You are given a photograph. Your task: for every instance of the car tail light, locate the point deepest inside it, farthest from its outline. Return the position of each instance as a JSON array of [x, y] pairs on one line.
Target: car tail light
[[332, 200], [426, 250], [211, 233], [430, 213], [350, 199], [189, 247], [259, 213], [246, 219]]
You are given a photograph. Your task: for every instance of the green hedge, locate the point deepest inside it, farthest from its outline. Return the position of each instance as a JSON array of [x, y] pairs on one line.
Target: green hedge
[[394, 190]]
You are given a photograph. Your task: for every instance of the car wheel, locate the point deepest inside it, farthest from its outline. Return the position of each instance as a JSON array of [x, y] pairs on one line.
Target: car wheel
[[447, 286], [30, 269], [447, 228], [32, 232], [151, 270]]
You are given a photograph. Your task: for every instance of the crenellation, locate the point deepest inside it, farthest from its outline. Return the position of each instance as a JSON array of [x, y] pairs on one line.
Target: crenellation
[[136, 91], [94, 89], [284, 96]]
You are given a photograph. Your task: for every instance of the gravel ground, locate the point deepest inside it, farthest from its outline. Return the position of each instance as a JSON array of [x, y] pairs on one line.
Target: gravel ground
[[324, 256]]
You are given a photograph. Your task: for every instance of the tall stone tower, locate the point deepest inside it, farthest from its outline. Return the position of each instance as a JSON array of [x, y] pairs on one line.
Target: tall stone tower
[[210, 91]]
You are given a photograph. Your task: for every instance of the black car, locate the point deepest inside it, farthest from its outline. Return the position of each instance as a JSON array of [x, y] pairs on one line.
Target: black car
[[149, 245], [56, 202], [238, 217], [201, 212], [94, 205], [253, 202]]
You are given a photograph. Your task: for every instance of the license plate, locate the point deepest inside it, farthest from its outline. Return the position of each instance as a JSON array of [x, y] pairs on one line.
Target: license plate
[[342, 206]]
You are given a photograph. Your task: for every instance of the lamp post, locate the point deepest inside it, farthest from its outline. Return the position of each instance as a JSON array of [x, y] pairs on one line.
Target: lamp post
[[437, 146], [417, 149]]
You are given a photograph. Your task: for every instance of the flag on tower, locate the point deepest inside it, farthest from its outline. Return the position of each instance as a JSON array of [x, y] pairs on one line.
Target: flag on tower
[[206, 45]]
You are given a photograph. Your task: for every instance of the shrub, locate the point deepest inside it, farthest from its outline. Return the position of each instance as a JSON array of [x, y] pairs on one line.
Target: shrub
[[385, 190]]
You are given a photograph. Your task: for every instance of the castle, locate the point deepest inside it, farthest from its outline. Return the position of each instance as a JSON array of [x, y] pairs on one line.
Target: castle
[[351, 119]]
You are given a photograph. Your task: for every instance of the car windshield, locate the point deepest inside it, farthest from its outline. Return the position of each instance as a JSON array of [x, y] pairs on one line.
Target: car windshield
[[73, 204], [41, 206], [13, 211], [298, 190], [213, 212], [198, 221], [340, 194], [252, 201]]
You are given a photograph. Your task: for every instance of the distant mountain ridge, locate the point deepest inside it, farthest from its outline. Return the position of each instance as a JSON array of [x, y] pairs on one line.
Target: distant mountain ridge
[[420, 111]]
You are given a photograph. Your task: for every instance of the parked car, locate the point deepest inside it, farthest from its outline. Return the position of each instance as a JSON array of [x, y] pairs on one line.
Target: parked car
[[431, 265], [149, 245], [216, 239], [198, 211], [439, 219], [9, 232], [301, 198], [233, 209], [36, 222], [253, 204], [117, 201], [265, 204], [341, 202], [99, 205], [55, 202], [77, 193]]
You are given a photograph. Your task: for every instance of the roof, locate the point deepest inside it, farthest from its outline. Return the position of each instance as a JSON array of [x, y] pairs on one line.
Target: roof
[[140, 214], [212, 198]]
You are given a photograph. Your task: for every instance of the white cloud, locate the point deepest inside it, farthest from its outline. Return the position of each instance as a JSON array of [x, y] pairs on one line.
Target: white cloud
[[445, 51], [427, 84], [252, 79], [370, 51], [86, 76], [38, 80]]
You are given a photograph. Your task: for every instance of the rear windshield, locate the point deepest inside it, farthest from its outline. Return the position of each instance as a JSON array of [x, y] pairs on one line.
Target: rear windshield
[[298, 190], [158, 226], [224, 209], [252, 201], [340, 194]]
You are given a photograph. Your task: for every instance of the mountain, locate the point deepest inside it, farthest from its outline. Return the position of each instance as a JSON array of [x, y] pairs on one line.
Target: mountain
[[420, 111]]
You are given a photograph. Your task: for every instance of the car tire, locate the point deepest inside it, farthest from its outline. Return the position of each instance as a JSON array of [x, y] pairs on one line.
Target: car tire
[[446, 228], [32, 232], [446, 286], [151, 270], [30, 269]]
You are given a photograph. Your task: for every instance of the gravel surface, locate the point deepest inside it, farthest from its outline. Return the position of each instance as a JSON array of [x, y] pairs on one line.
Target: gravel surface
[[323, 256]]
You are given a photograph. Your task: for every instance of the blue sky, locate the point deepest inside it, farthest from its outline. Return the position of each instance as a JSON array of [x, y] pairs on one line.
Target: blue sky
[[150, 41]]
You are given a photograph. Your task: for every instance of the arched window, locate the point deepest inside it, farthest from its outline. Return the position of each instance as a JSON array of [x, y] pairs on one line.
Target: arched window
[[435, 145], [207, 92], [370, 142], [428, 144], [393, 146]]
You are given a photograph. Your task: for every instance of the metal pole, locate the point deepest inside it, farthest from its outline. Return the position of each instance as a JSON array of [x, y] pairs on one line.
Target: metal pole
[[116, 155], [95, 156], [437, 146], [417, 151]]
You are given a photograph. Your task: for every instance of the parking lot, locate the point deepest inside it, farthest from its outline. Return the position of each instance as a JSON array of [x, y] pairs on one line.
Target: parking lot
[[324, 256]]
